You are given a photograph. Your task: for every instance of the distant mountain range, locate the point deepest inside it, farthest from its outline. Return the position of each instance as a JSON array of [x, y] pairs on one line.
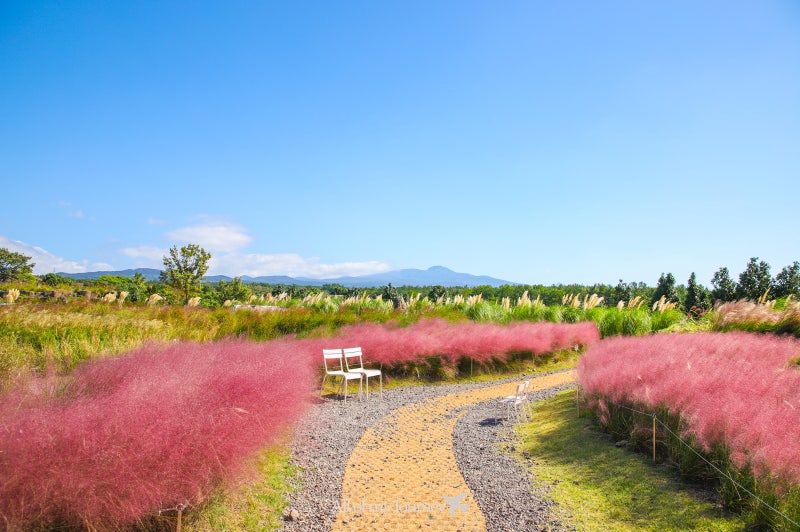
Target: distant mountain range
[[436, 275]]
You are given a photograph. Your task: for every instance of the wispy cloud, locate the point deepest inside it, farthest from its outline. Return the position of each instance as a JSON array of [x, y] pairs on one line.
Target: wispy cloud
[[150, 253], [213, 235], [155, 221], [46, 262], [293, 265], [72, 212]]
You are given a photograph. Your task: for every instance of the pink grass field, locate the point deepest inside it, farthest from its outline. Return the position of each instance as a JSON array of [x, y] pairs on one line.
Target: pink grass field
[[482, 342], [734, 389], [121, 438]]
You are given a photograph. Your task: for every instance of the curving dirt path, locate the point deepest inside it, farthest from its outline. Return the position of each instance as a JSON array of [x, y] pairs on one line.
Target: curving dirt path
[[403, 474]]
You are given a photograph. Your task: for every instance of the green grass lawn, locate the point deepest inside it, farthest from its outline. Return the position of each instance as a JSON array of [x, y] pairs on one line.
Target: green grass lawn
[[601, 487], [255, 505]]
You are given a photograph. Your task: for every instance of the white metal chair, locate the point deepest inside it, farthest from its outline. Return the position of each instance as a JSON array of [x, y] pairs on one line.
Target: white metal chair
[[334, 357], [528, 404], [517, 402], [354, 355]]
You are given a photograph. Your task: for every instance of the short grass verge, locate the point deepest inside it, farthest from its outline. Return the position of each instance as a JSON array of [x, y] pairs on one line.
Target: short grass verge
[[601, 487], [254, 505]]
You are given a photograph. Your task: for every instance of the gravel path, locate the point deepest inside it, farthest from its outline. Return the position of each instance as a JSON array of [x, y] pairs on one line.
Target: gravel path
[[327, 435], [500, 483]]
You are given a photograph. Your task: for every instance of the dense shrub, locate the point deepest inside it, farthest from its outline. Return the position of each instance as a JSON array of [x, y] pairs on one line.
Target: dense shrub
[[665, 319], [485, 312], [635, 322]]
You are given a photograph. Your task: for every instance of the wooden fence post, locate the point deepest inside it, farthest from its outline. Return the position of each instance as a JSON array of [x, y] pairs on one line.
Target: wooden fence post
[[654, 438]]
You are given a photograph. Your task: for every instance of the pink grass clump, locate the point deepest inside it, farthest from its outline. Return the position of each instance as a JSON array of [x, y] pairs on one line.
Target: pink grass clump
[[161, 426], [483, 342], [733, 389]]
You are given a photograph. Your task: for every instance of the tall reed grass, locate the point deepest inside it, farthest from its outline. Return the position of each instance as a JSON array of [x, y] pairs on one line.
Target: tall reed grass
[[757, 317]]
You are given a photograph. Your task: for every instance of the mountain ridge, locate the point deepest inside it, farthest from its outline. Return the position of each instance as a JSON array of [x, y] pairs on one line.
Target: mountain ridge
[[435, 275]]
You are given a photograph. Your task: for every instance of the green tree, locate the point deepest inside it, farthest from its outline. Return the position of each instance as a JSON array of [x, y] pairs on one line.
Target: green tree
[[235, 290], [137, 287], [14, 266], [724, 287], [696, 297], [787, 282], [184, 269], [390, 293], [436, 292], [666, 288], [754, 281], [336, 289], [55, 280], [622, 292]]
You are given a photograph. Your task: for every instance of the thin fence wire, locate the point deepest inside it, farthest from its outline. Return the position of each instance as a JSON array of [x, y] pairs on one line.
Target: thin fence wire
[[703, 458]]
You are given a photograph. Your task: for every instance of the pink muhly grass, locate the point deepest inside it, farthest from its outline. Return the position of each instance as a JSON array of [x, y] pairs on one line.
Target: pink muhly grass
[[124, 437], [130, 435], [734, 389], [483, 342]]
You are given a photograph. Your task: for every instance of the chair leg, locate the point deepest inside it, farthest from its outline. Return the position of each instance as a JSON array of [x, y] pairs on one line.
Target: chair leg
[[380, 379], [322, 388]]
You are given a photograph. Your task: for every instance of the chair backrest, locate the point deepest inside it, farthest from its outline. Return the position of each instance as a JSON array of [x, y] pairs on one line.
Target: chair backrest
[[527, 384], [329, 355], [353, 353], [520, 390]]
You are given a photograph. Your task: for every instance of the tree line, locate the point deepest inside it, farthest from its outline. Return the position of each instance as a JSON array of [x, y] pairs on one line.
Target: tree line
[[184, 269]]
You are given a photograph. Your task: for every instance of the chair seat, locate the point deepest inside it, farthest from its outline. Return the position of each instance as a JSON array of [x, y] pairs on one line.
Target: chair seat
[[368, 372], [345, 374], [512, 400]]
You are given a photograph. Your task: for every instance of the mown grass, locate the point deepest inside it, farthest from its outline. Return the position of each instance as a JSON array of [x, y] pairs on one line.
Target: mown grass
[[601, 487], [254, 505]]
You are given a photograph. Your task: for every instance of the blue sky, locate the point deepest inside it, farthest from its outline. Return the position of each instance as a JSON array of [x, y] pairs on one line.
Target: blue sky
[[536, 142]]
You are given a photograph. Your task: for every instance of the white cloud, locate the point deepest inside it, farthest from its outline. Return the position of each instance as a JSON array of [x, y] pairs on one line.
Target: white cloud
[[151, 253], [46, 262], [76, 214], [293, 265], [233, 264], [155, 221], [214, 236]]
